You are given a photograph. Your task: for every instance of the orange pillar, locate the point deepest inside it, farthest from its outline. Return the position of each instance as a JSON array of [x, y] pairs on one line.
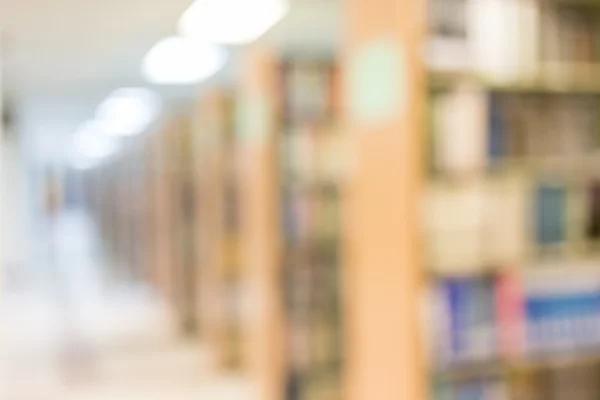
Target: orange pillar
[[162, 255], [260, 243], [167, 254], [215, 169], [384, 115], [208, 203]]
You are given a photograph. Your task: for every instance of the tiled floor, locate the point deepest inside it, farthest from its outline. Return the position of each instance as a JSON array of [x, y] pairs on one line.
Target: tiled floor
[[129, 351]]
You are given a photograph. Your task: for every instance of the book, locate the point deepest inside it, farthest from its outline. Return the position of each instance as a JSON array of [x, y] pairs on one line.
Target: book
[[506, 220], [308, 87], [469, 308], [448, 18], [550, 214], [497, 140], [455, 219], [593, 218], [460, 126], [510, 311], [562, 311], [475, 389]]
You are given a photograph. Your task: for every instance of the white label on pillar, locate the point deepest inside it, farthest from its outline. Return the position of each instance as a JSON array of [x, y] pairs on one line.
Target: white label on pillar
[[377, 82], [253, 119]]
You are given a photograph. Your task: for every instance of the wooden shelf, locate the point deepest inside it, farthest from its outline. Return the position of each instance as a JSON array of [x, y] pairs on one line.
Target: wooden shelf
[[593, 4], [551, 78], [497, 368], [470, 370]]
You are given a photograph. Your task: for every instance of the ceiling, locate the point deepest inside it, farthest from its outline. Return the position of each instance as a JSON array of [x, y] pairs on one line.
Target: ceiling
[[62, 57]]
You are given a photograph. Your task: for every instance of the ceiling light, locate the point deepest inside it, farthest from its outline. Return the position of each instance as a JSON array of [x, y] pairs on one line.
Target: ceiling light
[[231, 21], [91, 142], [179, 60], [82, 163], [127, 111]]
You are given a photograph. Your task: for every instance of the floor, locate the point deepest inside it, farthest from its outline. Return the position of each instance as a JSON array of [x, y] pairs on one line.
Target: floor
[[73, 339]]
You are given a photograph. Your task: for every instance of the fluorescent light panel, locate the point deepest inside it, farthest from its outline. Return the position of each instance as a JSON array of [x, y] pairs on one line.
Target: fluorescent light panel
[[231, 21], [178, 60], [90, 142], [81, 163], [128, 111]]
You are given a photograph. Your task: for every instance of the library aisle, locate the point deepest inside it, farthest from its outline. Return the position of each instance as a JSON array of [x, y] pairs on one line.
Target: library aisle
[[120, 344]]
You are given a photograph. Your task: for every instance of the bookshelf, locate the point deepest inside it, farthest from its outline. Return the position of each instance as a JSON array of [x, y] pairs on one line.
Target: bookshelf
[[289, 177], [510, 223], [232, 273], [185, 215], [310, 175], [222, 277], [173, 264]]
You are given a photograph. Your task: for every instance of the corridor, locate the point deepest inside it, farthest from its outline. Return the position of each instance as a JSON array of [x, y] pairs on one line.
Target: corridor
[[91, 340]]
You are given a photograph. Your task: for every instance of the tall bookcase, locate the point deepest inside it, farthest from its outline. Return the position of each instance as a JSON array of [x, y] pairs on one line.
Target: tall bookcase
[[511, 214], [290, 180], [310, 173], [172, 219], [222, 276], [232, 274], [186, 214]]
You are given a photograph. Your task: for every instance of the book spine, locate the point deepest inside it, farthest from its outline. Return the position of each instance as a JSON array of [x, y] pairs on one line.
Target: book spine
[[510, 315], [476, 389], [496, 141], [551, 203], [456, 298], [471, 309]]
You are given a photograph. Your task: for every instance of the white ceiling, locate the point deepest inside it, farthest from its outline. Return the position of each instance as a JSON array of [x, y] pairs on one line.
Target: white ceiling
[[62, 57]]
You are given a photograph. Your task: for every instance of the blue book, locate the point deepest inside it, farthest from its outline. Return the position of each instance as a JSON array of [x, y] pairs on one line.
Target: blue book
[[550, 210], [473, 390], [497, 136], [479, 389], [471, 309], [457, 297], [562, 321]]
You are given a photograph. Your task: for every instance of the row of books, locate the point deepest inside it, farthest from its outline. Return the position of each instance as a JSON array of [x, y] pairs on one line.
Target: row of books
[[312, 288], [538, 125], [509, 316], [309, 89], [477, 389], [551, 383], [231, 217], [310, 160], [232, 284], [560, 382], [473, 128], [510, 219], [571, 33], [313, 285], [512, 39], [314, 152], [314, 344], [310, 212], [231, 321]]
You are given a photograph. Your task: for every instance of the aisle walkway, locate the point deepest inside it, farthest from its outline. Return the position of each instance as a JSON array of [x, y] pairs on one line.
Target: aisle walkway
[[130, 351]]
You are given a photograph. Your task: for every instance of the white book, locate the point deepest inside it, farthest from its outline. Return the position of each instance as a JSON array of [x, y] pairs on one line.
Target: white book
[[506, 221], [461, 125], [502, 38], [454, 226]]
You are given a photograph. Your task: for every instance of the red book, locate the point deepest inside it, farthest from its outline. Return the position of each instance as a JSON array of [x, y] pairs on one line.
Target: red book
[[511, 315]]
